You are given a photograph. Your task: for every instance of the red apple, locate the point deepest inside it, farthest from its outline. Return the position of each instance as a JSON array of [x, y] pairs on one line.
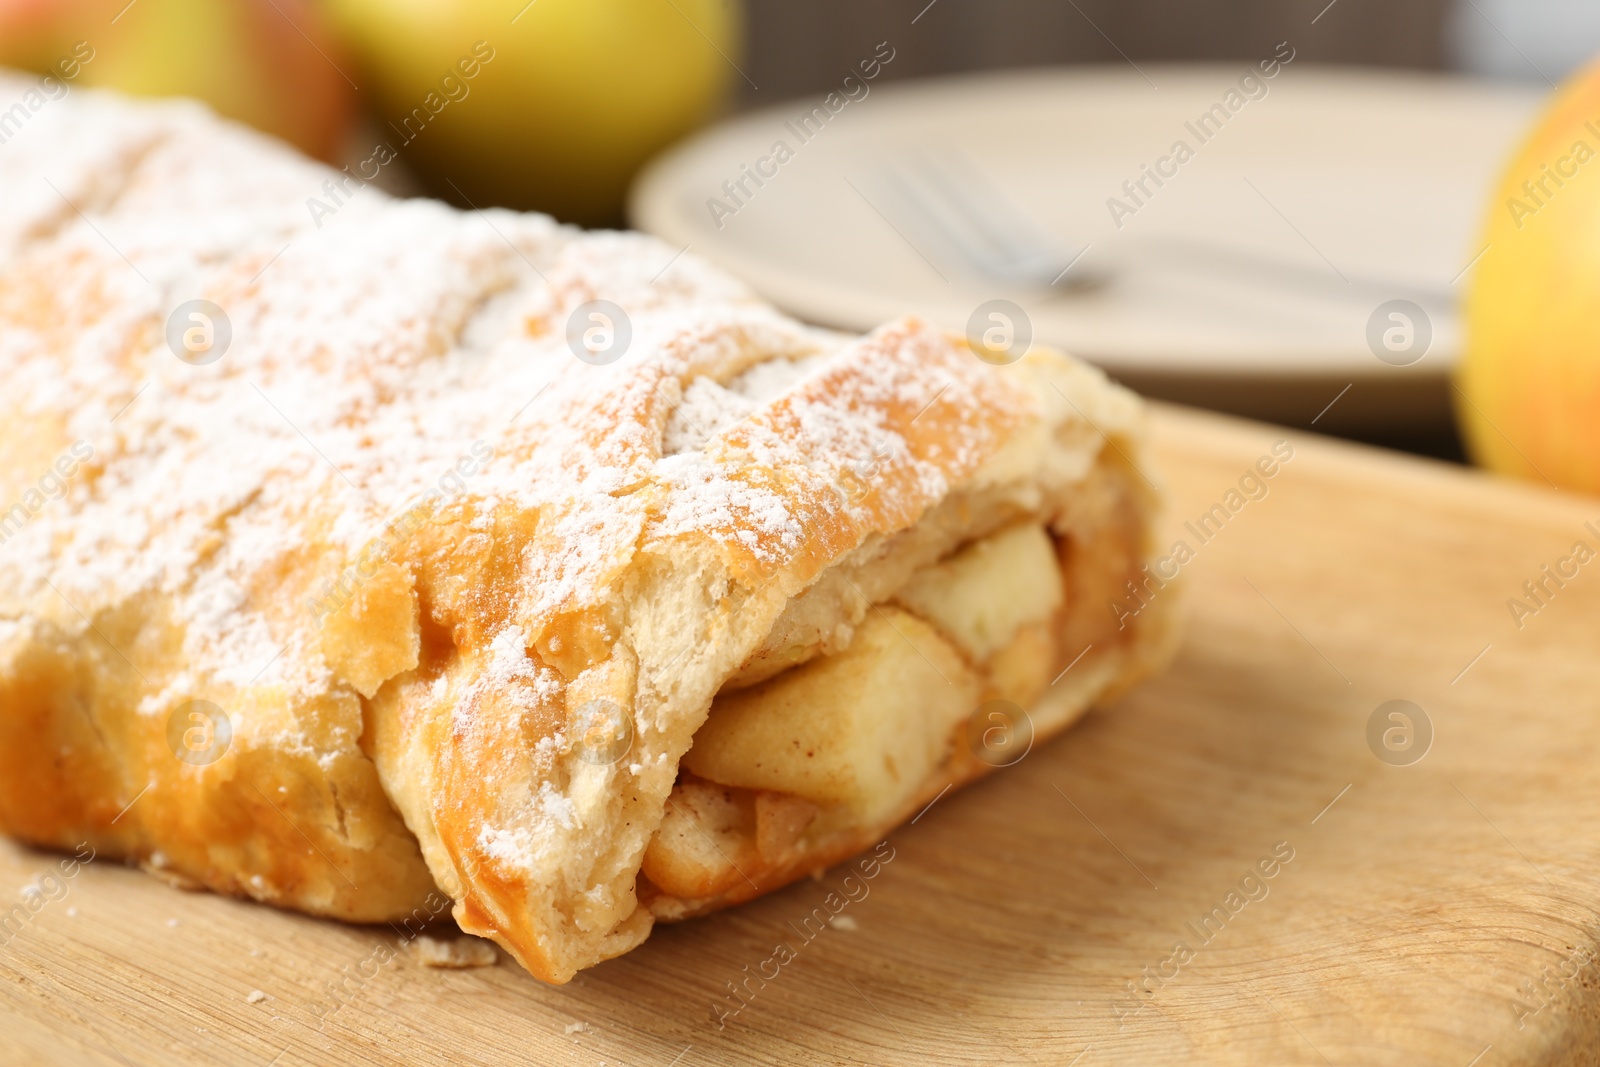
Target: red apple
[[269, 63]]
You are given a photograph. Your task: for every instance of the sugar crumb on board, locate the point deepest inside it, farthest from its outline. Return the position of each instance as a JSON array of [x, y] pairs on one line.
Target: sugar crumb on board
[[457, 954]]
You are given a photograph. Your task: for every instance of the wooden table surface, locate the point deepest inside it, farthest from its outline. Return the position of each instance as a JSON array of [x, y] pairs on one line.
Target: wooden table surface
[[1439, 910]]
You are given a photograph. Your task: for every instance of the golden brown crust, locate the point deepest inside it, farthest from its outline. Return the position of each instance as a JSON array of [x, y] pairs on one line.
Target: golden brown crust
[[461, 598]]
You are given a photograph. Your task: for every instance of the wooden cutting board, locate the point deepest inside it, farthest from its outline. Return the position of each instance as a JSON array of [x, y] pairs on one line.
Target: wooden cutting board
[[1441, 912]]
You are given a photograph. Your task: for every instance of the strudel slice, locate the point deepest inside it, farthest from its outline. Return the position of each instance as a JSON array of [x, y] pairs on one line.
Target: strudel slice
[[351, 556]]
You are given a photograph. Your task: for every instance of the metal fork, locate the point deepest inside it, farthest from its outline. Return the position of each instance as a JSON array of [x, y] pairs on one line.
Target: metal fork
[[956, 206]]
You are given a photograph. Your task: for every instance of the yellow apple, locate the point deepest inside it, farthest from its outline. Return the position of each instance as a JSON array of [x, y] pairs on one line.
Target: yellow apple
[[566, 99], [1529, 399], [269, 63]]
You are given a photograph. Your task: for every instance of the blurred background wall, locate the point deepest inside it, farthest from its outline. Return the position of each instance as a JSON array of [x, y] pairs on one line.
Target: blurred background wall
[[801, 48]]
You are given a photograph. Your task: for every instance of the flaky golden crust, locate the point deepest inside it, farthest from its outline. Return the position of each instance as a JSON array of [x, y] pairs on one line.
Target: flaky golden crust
[[656, 613], [403, 545]]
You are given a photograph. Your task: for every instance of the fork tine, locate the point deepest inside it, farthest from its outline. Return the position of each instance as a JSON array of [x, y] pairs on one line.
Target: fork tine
[[991, 212], [936, 217], [959, 207], [975, 221]]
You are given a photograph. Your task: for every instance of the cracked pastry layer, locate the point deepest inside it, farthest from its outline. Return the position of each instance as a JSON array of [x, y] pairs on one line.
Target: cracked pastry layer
[[399, 594]]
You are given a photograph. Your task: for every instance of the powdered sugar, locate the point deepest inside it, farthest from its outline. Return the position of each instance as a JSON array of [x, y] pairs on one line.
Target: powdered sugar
[[521, 848], [706, 408], [368, 357], [708, 500]]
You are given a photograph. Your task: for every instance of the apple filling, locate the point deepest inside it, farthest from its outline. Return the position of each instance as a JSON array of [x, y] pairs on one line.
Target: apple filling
[[832, 733]]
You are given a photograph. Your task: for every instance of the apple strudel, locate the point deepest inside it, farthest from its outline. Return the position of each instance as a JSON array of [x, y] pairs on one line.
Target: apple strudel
[[348, 556]]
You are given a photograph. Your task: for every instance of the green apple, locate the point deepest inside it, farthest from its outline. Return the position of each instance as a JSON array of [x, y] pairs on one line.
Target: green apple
[[268, 63], [550, 105]]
